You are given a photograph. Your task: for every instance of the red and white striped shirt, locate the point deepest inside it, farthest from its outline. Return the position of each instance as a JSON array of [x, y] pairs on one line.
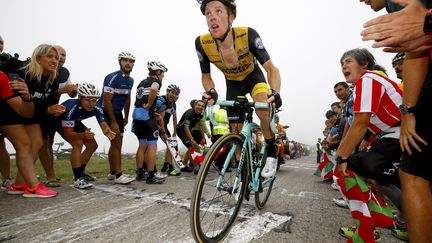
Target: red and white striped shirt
[[380, 96]]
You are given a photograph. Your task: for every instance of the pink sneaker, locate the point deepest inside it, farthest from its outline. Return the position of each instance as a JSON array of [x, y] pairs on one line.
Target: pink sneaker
[[15, 189], [38, 191]]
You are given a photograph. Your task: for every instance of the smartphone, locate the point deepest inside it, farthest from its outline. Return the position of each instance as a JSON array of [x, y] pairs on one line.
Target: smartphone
[[13, 77]]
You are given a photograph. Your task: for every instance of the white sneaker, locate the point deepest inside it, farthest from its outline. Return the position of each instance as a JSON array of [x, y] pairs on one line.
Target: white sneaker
[[270, 167], [111, 176], [335, 186], [82, 184], [341, 202], [124, 179], [160, 175]]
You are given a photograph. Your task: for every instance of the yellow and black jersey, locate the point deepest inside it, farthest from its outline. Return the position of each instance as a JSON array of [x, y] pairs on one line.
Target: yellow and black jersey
[[248, 46]]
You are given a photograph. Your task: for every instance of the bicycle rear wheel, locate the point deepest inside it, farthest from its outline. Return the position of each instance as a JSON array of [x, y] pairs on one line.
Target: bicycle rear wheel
[[215, 203]]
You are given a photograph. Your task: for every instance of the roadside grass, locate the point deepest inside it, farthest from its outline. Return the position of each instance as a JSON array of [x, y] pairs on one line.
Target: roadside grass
[[97, 167]]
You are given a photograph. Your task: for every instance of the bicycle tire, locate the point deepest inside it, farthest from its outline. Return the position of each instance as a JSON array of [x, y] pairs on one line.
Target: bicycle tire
[[205, 194]]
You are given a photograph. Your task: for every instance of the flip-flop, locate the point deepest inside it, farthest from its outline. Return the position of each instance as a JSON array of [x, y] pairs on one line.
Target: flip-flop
[[53, 183]]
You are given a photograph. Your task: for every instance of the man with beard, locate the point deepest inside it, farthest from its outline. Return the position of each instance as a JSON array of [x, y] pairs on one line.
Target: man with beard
[[114, 101]]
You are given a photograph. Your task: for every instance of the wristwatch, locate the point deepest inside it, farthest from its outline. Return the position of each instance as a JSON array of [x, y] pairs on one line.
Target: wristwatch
[[341, 161], [427, 26], [405, 109]]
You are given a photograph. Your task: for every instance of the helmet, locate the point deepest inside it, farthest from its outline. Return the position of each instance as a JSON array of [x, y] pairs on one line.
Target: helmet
[[229, 3], [88, 90], [125, 54], [399, 57], [156, 65], [174, 88]]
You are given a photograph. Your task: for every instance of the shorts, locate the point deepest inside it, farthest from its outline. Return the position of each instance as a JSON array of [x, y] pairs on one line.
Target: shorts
[[120, 121], [49, 126], [380, 162], [182, 135], [253, 84], [79, 128], [420, 163], [146, 131]]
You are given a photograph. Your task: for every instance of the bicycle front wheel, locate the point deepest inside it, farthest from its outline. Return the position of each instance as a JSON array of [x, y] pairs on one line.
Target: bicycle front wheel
[[216, 198]]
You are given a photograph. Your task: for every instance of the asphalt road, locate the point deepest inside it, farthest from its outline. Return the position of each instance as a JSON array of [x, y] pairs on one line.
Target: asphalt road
[[300, 209]]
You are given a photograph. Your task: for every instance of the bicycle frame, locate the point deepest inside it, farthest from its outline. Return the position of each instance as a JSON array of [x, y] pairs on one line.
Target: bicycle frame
[[254, 171]]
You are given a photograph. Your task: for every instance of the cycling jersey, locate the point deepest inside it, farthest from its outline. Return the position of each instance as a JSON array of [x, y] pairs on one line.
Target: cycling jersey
[[142, 96], [168, 107], [248, 46], [120, 86], [8, 116], [75, 113], [189, 118]]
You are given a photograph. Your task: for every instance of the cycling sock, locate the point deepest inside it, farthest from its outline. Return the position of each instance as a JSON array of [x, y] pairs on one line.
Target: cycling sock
[[118, 175], [83, 167], [112, 172], [77, 172], [170, 167], [151, 173], [271, 147]]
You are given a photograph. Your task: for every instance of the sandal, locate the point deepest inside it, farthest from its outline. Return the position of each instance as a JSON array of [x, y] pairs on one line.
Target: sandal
[[53, 182]]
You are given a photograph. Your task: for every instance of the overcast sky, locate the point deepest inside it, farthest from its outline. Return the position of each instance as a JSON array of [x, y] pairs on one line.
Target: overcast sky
[[305, 40]]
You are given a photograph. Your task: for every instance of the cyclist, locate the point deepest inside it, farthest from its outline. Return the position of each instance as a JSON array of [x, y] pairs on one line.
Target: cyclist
[[78, 135], [114, 101], [189, 119], [168, 101], [234, 50], [145, 124]]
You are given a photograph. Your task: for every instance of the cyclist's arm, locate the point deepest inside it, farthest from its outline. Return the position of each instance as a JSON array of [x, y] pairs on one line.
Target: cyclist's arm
[[108, 106], [273, 75], [188, 132], [152, 95], [207, 81], [126, 109], [174, 124]]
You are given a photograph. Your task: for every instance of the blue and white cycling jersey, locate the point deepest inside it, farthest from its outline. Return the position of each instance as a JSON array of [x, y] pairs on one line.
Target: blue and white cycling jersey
[[74, 112], [120, 87]]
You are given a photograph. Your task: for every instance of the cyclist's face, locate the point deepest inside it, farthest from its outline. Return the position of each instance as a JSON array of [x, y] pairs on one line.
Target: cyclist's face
[[126, 65], [172, 96], [88, 103], [217, 18], [199, 107]]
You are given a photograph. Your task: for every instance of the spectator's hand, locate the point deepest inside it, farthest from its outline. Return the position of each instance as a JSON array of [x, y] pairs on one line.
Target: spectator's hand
[[274, 97], [164, 137], [342, 169], [115, 127], [408, 135], [363, 145], [88, 134], [421, 44], [70, 88], [209, 135], [56, 109], [332, 139], [21, 88], [126, 121], [110, 134], [393, 29]]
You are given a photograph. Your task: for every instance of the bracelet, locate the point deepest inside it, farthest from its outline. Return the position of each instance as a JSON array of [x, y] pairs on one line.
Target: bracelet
[[341, 161]]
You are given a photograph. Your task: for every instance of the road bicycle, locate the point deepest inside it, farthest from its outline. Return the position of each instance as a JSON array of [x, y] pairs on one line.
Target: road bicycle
[[230, 171]]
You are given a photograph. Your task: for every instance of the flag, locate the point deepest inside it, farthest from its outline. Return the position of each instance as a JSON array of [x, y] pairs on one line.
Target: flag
[[325, 167]]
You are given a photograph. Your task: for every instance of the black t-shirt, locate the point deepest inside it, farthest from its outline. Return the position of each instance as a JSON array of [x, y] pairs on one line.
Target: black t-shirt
[[62, 77], [189, 118], [43, 96]]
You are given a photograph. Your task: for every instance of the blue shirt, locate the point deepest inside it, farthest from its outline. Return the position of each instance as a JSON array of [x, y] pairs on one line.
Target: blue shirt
[[74, 112], [120, 87]]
